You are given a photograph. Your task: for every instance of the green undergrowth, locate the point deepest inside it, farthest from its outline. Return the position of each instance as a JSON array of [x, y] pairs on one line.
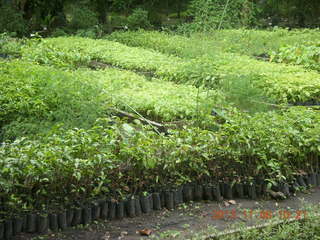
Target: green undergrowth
[[35, 97], [117, 159], [242, 41], [33, 94], [306, 54], [156, 99], [277, 81], [74, 52], [283, 83]]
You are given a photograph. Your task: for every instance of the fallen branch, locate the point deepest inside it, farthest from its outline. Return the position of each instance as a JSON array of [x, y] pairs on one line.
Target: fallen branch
[[131, 118]]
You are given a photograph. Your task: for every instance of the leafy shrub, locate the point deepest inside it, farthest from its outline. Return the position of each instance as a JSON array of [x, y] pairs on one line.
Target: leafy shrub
[[118, 159], [283, 83], [87, 33], [43, 89], [12, 21], [59, 33], [156, 99], [138, 19], [93, 32], [47, 96], [242, 41], [83, 18], [9, 45], [307, 55], [215, 14], [75, 52]]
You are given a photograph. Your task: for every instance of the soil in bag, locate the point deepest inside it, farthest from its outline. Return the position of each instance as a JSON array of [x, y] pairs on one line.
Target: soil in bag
[[239, 190], [138, 207], [156, 201], [169, 200], [86, 215], [131, 207], [217, 193], [8, 229], [31, 223], [187, 193], [112, 210], [198, 192], [228, 191], [62, 220], [42, 224], [145, 203], [70, 215], [208, 193], [104, 210], [96, 211], [120, 210], [77, 217], [17, 225]]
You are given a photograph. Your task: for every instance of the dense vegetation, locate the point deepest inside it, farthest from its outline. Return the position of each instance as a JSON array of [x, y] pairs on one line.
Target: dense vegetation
[[282, 82], [79, 140], [85, 114], [93, 17]]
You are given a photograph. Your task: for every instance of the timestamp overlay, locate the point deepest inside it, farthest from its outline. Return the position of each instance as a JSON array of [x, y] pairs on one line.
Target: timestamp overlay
[[263, 214]]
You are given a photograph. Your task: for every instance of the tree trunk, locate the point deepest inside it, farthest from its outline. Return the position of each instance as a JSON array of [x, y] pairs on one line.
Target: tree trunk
[[102, 7], [179, 9]]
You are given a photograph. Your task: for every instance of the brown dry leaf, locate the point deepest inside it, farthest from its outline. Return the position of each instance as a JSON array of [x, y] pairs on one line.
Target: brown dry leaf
[[232, 202], [145, 232]]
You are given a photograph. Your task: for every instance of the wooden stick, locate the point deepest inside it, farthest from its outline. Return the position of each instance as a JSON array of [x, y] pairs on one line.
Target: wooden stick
[[131, 117]]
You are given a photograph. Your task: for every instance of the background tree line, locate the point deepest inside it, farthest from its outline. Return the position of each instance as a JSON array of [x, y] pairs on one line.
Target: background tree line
[[25, 16]]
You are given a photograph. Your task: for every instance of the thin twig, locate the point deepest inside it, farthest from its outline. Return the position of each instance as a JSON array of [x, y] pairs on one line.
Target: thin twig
[[224, 12]]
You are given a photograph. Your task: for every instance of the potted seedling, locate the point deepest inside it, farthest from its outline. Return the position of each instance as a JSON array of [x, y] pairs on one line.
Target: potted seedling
[[130, 206], [42, 223], [145, 202]]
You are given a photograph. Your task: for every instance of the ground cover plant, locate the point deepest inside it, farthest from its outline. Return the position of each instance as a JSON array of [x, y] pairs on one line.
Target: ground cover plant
[[305, 54], [78, 98], [32, 94], [80, 115], [284, 83], [281, 82], [249, 42], [61, 52], [156, 99]]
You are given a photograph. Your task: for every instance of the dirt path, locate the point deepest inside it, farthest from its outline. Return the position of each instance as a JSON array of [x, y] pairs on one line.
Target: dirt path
[[195, 219]]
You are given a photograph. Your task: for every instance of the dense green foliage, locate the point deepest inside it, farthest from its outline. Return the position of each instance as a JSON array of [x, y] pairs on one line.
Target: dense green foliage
[[216, 14], [25, 16], [241, 41], [119, 158], [216, 94], [12, 21], [45, 95], [78, 98], [75, 52], [279, 81], [307, 55]]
